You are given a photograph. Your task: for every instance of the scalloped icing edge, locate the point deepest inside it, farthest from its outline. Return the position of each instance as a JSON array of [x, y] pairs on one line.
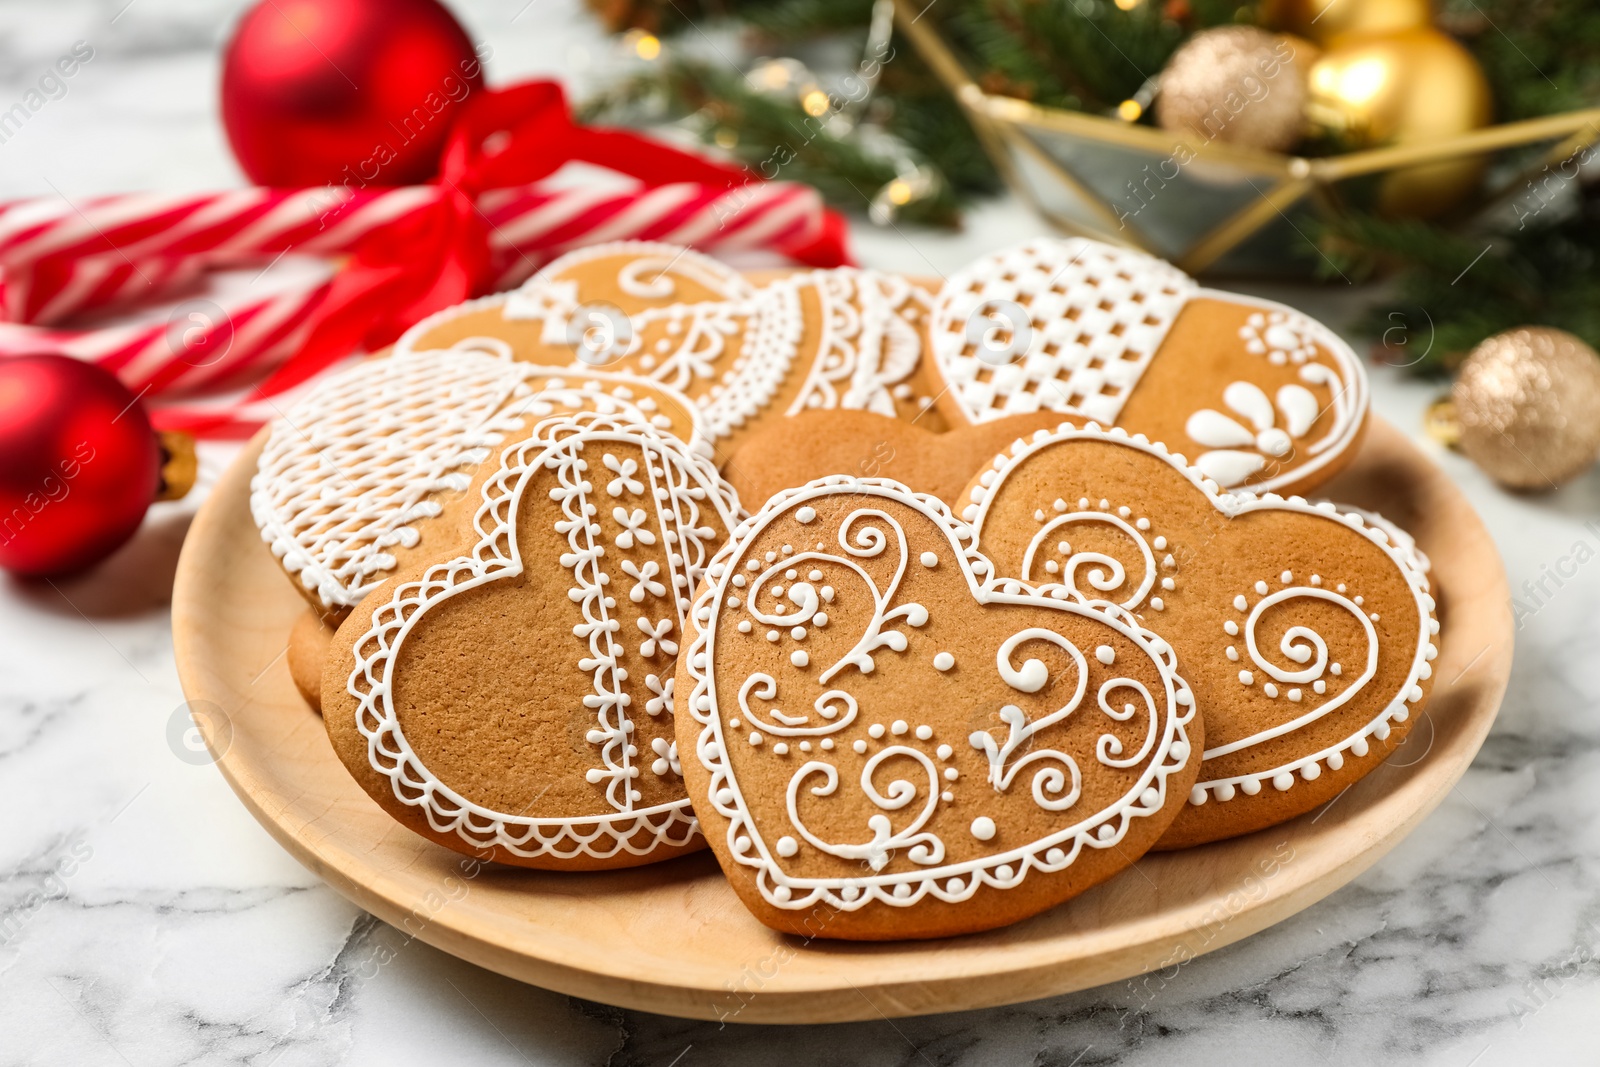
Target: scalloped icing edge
[[277, 526], [388, 753]]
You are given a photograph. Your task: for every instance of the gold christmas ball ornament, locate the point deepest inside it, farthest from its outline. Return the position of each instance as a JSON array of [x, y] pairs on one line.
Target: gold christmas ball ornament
[[1326, 21], [1239, 85], [1404, 88], [1528, 405]]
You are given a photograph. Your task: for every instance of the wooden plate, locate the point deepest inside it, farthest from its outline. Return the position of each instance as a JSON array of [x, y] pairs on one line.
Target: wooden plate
[[672, 938]]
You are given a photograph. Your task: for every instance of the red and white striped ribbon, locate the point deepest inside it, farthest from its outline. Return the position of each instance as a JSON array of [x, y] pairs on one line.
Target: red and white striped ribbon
[[132, 282]]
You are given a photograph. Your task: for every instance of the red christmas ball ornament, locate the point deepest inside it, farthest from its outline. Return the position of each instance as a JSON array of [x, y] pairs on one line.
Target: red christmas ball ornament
[[79, 464], [345, 92]]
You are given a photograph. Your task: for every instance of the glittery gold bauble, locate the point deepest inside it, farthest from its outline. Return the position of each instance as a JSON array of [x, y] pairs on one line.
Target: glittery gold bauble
[[1325, 21], [1237, 84], [1528, 403], [1398, 89]]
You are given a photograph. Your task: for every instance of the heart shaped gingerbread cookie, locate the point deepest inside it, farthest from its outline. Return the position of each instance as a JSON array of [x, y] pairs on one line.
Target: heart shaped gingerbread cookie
[[1305, 634], [1260, 396], [515, 702], [883, 740], [746, 354], [368, 470]]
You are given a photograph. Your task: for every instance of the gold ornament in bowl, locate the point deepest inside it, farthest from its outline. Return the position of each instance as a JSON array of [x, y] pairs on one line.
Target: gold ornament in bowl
[[1528, 405], [1404, 88], [1326, 21]]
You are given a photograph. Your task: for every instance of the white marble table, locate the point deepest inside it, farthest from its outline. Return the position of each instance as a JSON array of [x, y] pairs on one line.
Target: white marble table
[[145, 919]]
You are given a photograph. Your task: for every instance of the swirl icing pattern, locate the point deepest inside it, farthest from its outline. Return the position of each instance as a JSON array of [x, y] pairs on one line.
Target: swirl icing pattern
[[880, 728], [1308, 633]]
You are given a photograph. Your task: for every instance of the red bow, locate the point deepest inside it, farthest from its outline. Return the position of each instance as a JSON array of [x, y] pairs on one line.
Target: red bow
[[507, 137], [407, 252]]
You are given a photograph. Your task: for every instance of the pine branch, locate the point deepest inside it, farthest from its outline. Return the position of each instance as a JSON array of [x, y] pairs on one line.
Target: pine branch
[[771, 134], [1469, 288], [1539, 55]]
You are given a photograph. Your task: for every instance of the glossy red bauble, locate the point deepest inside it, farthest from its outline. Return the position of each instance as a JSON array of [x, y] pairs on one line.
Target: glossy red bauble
[[79, 464], [345, 92]]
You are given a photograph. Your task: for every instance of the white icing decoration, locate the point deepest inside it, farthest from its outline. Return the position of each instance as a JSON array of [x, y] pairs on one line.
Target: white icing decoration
[[1103, 573], [869, 542], [1228, 467], [1256, 426], [358, 464], [693, 504], [943, 661], [868, 342], [902, 856], [1095, 317], [1306, 649]]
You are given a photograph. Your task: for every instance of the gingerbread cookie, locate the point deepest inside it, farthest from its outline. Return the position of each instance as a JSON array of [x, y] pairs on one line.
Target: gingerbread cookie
[[307, 650], [1256, 395], [365, 472], [886, 741], [815, 444], [516, 702], [546, 319], [1305, 633], [841, 338]]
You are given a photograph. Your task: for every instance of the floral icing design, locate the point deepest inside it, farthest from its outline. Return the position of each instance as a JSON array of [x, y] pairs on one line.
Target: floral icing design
[[814, 721], [565, 461], [1074, 325], [1241, 444], [1257, 429]]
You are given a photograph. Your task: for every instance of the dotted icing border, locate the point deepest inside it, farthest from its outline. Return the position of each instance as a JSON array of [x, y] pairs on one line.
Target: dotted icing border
[[1309, 767]]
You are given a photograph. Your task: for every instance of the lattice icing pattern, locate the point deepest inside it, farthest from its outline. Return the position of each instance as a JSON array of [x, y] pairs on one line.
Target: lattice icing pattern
[[1065, 326], [348, 473]]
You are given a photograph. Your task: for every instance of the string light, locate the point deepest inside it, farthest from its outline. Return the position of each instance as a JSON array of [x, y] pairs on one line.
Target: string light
[[646, 46], [1129, 110], [815, 103]]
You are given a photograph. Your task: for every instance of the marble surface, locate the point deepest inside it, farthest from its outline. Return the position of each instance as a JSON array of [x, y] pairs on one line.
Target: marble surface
[[146, 919]]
